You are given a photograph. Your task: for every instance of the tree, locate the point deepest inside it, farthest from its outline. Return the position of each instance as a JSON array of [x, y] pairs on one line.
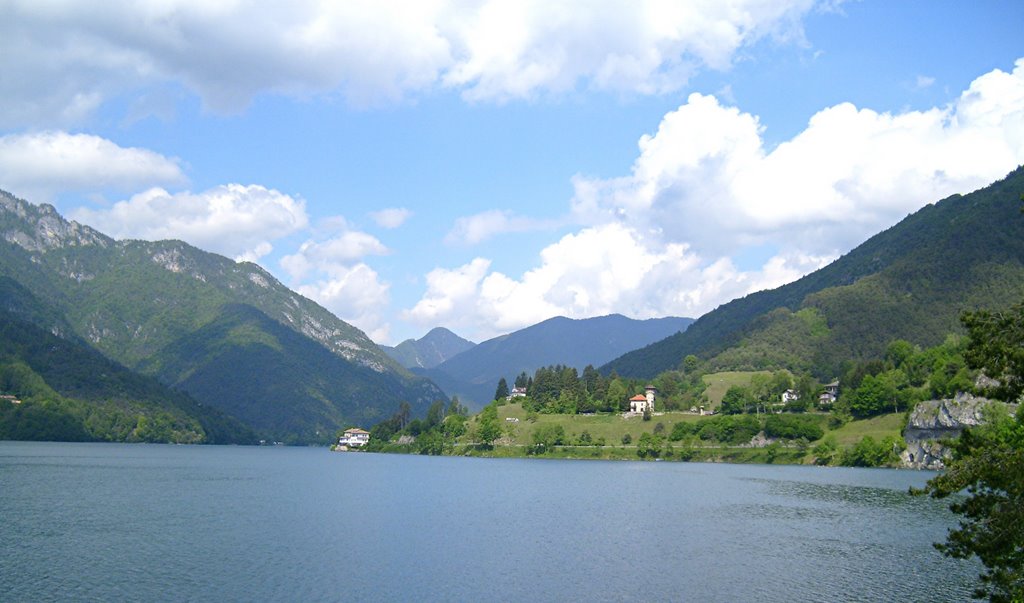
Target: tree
[[488, 429], [502, 392], [996, 345], [735, 400], [988, 462]]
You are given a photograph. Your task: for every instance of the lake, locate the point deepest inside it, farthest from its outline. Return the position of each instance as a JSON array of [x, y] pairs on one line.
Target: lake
[[117, 522]]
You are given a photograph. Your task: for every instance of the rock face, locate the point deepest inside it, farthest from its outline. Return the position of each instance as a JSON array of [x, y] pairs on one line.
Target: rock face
[[933, 421]]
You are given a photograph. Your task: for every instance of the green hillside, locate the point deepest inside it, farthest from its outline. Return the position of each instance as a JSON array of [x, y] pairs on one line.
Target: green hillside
[[284, 385], [134, 301], [910, 282], [68, 391]]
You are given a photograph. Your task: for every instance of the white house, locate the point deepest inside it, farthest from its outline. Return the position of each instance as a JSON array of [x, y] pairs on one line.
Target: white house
[[643, 402], [354, 438], [517, 392], [790, 396]]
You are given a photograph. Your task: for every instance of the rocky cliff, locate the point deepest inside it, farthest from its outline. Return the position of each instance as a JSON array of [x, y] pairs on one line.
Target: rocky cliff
[[935, 421]]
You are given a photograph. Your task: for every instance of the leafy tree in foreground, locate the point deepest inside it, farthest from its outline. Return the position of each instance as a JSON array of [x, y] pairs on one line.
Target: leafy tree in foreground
[[488, 429], [988, 462]]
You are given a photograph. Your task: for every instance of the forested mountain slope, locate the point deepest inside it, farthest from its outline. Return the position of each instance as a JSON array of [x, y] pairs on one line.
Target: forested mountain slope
[[67, 390], [910, 281], [133, 299]]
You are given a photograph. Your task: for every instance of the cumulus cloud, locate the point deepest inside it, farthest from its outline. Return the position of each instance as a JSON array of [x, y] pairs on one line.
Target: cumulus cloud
[[470, 230], [392, 217], [599, 270], [234, 220], [706, 178], [61, 62], [356, 294], [38, 166], [660, 240], [332, 272]]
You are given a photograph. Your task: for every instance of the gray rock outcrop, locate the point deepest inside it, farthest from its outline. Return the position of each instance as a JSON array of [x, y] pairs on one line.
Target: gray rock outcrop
[[935, 421]]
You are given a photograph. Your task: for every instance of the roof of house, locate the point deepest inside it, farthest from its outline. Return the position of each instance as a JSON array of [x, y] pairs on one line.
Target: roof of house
[[356, 430], [638, 398]]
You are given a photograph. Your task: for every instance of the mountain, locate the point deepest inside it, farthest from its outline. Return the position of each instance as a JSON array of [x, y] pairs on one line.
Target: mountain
[[276, 379], [69, 391], [911, 282], [432, 349], [473, 375], [140, 303]]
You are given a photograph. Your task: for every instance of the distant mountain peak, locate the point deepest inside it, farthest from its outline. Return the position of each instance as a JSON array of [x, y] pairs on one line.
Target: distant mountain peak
[[437, 346]]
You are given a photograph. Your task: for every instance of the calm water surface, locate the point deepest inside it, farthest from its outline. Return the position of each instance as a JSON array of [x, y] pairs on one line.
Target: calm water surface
[[111, 522]]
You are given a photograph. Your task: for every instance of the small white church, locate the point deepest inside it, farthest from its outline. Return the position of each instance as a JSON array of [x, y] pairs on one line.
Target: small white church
[[643, 402]]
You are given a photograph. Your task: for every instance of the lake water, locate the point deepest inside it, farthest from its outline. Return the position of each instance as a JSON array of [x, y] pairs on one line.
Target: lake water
[[111, 522]]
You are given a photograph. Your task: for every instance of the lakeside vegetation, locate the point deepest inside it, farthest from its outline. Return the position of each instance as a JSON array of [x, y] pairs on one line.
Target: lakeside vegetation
[[728, 416]]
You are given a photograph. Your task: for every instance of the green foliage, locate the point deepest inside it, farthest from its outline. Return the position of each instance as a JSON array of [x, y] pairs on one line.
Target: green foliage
[[70, 392], [723, 429], [736, 400], [546, 437], [789, 427], [649, 445], [871, 453], [488, 429], [502, 391], [825, 452], [988, 463], [997, 346]]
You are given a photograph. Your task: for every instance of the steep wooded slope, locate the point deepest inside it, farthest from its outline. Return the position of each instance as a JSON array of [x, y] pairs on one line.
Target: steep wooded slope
[[910, 281]]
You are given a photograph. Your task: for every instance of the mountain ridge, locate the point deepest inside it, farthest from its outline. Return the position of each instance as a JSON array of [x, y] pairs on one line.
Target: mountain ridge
[[474, 374], [927, 257], [132, 299], [437, 346]]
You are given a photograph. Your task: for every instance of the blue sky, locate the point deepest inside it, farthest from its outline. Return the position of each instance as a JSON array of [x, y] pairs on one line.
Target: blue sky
[[486, 165]]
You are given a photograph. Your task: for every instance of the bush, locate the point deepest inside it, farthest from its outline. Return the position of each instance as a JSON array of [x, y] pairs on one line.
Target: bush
[[791, 427], [871, 453]]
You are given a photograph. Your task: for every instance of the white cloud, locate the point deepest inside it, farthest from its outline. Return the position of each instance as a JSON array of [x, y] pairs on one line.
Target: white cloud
[[332, 256], [706, 179], [923, 81], [392, 217], [659, 241], [332, 272], [356, 294], [234, 220], [40, 165], [470, 230], [63, 60], [599, 270]]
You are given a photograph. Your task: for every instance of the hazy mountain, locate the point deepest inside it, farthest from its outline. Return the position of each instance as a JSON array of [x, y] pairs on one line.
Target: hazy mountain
[[432, 349], [473, 375], [911, 281], [138, 302]]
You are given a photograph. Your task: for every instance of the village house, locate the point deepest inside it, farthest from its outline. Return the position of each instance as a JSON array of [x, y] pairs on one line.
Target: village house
[[790, 396], [517, 392], [828, 397], [643, 402], [354, 438]]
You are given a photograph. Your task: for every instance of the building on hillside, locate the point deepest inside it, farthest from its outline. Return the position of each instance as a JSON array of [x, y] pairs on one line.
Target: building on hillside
[[643, 402], [354, 438], [833, 389], [790, 396], [517, 392]]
